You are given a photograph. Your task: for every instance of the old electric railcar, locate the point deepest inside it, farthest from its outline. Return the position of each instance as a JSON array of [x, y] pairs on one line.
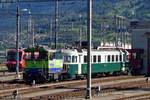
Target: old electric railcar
[[42, 64], [103, 61]]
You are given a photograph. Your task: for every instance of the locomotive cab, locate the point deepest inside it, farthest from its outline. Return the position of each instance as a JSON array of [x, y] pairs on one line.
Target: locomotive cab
[[42, 64]]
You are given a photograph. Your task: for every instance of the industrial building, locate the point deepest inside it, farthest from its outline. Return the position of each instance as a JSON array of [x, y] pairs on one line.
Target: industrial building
[[141, 40]]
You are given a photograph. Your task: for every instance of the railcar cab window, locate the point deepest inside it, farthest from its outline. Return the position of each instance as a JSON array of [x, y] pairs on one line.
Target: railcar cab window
[[67, 58]]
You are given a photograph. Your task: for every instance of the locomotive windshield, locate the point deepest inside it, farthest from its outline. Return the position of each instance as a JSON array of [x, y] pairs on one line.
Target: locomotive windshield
[[11, 56], [36, 55], [57, 55]]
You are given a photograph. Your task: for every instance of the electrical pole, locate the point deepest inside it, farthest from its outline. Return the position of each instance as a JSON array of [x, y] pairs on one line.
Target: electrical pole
[[30, 29], [80, 31], [119, 31], [17, 39], [33, 33], [89, 37], [51, 30], [116, 30], [56, 23], [124, 31]]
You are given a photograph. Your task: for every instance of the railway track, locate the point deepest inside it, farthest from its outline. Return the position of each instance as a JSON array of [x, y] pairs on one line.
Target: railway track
[[12, 85], [80, 93], [15, 84], [64, 85], [7, 74], [144, 96]]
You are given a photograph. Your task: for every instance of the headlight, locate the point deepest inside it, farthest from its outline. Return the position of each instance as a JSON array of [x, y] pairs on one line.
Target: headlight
[[123, 69]]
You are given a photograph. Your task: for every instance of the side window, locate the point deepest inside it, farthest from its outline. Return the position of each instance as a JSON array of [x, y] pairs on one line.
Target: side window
[[112, 58], [94, 58], [120, 57], [116, 58], [65, 58], [69, 58], [99, 58], [74, 59], [108, 58], [85, 59]]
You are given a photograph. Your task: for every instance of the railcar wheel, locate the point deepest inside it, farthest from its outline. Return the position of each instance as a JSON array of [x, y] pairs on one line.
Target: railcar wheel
[[107, 73], [114, 73]]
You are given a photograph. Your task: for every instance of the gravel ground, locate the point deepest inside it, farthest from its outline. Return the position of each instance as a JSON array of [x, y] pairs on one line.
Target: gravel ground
[[115, 95]]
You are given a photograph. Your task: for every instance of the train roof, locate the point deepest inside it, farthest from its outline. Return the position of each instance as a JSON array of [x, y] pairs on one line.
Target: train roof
[[41, 49], [36, 49], [14, 50], [109, 47], [135, 50], [82, 51]]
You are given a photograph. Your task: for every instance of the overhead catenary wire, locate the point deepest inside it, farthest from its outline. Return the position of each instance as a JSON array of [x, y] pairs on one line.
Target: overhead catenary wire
[[24, 1]]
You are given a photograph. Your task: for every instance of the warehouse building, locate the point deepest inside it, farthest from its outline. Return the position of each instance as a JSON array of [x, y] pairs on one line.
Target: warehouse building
[[141, 40]]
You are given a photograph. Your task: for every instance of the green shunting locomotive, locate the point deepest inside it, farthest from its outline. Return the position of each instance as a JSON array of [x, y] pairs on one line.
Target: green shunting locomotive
[[42, 64]]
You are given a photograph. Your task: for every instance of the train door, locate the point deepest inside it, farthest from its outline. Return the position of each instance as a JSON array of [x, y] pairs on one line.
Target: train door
[[79, 65], [148, 56], [135, 58]]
